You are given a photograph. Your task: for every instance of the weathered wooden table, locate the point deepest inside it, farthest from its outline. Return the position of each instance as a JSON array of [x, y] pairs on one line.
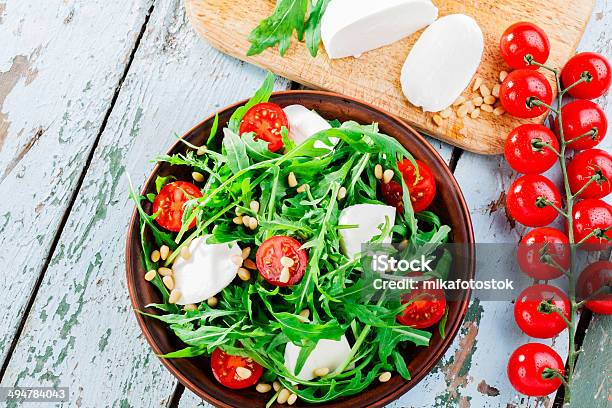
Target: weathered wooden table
[[90, 90]]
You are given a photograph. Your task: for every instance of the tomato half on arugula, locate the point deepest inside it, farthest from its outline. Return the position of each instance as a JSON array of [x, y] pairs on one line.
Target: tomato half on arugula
[[591, 282], [169, 204], [536, 323], [424, 307], [527, 366], [281, 261], [585, 165], [538, 245], [529, 198], [234, 372], [266, 120], [422, 191]]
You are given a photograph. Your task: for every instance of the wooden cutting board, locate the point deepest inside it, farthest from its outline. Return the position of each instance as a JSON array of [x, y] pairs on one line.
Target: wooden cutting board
[[374, 77]]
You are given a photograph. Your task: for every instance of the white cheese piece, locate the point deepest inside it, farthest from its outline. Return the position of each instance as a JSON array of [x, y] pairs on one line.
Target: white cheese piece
[[304, 123], [369, 218], [326, 354], [442, 62], [352, 27], [207, 272]]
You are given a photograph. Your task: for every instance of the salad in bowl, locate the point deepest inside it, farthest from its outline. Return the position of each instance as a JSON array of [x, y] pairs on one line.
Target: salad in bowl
[[250, 244]]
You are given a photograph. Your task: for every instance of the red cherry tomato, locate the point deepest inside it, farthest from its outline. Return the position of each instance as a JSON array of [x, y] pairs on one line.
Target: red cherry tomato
[[224, 367], [422, 191], [594, 277], [521, 39], [425, 307], [517, 90], [169, 204], [544, 241], [266, 121], [525, 200], [539, 324], [585, 165], [270, 257], [523, 152], [589, 215], [599, 69], [579, 117], [526, 367]]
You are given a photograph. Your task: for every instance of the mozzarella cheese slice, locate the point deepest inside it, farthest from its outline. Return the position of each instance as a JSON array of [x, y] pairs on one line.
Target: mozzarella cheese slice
[[442, 62], [326, 354], [352, 27], [207, 272], [369, 219], [304, 123]]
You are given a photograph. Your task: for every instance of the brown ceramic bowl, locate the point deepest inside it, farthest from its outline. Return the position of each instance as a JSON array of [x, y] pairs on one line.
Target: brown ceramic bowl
[[449, 204]]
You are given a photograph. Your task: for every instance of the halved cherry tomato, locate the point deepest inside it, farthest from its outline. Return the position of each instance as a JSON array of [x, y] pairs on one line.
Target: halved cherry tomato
[[170, 201], [521, 39], [519, 87], [524, 150], [596, 276], [526, 200], [278, 253], [526, 368], [599, 69], [266, 121], [587, 164], [425, 307], [539, 324], [589, 215], [539, 242], [579, 117], [422, 191], [224, 367]]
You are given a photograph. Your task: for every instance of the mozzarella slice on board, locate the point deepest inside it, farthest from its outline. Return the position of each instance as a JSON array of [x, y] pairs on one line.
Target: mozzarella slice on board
[[305, 123], [368, 218], [326, 354], [442, 62], [207, 272], [352, 27]]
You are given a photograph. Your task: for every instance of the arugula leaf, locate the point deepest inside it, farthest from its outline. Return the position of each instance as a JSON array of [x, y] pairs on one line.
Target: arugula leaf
[[288, 16], [160, 182], [235, 151], [313, 25]]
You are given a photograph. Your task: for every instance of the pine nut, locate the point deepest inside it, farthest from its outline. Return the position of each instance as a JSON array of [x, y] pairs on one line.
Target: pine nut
[[201, 151], [499, 111], [164, 251], [169, 282], [477, 101], [212, 301], [284, 275], [237, 260], [477, 84], [475, 113], [470, 106], [286, 261], [175, 295], [238, 211], [495, 91], [292, 180], [305, 313], [198, 177], [263, 388], [253, 223], [487, 108], [446, 113], [237, 220], [185, 254], [292, 398], [250, 264], [378, 172], [244, 274], [489, 100], [384, 377], [341, 193], [246, 251], [462, 111], [245, 220], [243, 372], [276, 386], [164, 271], [388, 176], [283, 396], [155, 255], [149, 276], [190, 307], [403, 245], [301, 188], [320, 372], [460, 100], [502, 76], [485, 91], [254, 206], [438, 120]]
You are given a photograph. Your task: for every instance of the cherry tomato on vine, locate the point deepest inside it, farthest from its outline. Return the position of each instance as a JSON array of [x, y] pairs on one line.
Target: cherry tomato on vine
[[266, 120], [519, 88], [598, 68], [225, 369], [538, 324], [587, 164], [525, 152], [588, 216], [593, 278], [580, 117], [422, 191], [527, 197], [539, 243], [526, 368], [277, 254], [521, 39], [425, 307], [169, 204]]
